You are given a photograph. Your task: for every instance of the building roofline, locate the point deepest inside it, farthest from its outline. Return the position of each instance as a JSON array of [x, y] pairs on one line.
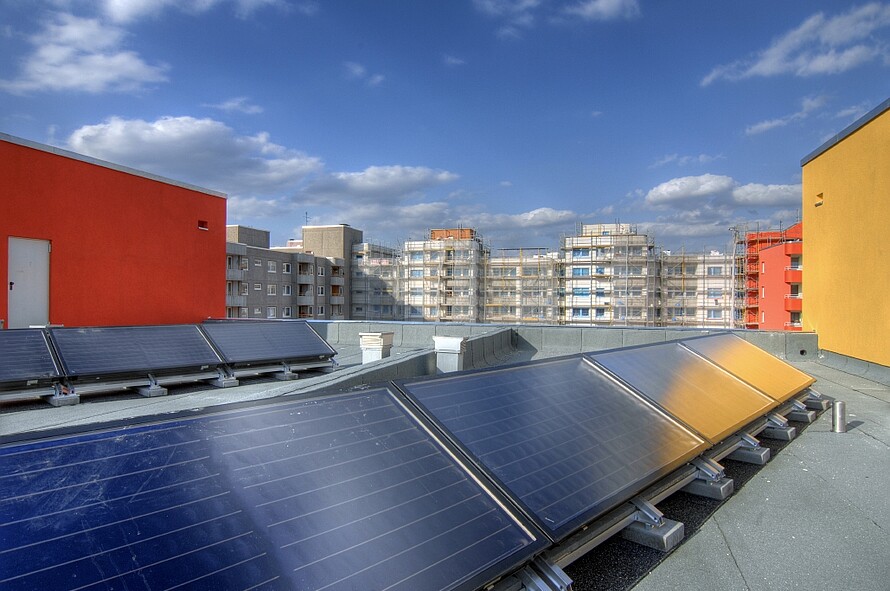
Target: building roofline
[[849, 130], [105, 164]]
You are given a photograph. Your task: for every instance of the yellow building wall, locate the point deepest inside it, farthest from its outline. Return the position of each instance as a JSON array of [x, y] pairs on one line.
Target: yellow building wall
[[846, 244]]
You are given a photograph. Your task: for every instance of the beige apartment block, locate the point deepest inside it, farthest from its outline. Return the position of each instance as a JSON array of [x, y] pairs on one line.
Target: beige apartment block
[[522, 286]]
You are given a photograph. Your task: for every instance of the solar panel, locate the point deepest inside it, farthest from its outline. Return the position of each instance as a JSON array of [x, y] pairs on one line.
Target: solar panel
[[564, 439], [253, 342], [700, 394], [341, 492], [132, 349], [772, 376], [25, 356]]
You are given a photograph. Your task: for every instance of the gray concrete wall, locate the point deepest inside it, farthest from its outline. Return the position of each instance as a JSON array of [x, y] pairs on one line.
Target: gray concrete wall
[[550, 341]]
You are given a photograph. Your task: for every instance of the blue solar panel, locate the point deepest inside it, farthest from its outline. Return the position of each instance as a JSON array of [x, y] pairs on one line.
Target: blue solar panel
[[25, 356], [132, 349], [343, 492], [242, 342], [559, 435]]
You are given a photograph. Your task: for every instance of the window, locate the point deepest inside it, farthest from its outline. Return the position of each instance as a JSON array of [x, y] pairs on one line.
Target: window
[[258, 287], [580, 312], [715, 314], [257, 262], [321, 271], [715, 293], [202, 225], [581, 252], [319, 290], [286, 290], [272, 266], [600, 312], [581, 291], [415, 273], [321, 311], [580, 272], [600, 292], [415, 256], [256, 311], [271, 289], [229, 262], [286, 268], [600, 270], [286, 312], [271, 312]]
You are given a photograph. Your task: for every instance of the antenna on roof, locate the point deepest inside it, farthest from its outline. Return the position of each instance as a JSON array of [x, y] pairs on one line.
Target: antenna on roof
[[306, 215]]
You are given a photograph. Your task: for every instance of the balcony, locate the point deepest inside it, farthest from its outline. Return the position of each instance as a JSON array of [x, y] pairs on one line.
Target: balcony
[[234, 274], [310, 279], [793, 303], [794, 248], [793, 275], [337, 280], [335, 300], [793, 326], [305, 300], [236, 301]]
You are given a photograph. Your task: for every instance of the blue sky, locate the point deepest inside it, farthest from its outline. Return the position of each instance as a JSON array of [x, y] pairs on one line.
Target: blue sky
[[520, 118]]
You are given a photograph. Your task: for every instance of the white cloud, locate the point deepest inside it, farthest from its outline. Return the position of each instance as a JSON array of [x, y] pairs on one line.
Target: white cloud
[[452, 61], [605, 10], [82, 55], [239, 104], [386, 183], [356, 71], [809, 105], [126, 11], [689, 188], [819, 45], [769, 195], [200, 151], [685, 160]]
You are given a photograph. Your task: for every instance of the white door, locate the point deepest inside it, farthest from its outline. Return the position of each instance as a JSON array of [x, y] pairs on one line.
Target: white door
[[28, 282]]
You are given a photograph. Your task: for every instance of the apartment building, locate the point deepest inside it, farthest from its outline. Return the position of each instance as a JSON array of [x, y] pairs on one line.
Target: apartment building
[[443, 277], [523, 285], [697, 290], [264, 282], [375, 286], [771, 273], [611, 276]]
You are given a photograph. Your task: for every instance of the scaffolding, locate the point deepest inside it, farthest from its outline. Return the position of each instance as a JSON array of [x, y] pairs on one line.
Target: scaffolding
[[611, 276], [522, 286], [375, 283]]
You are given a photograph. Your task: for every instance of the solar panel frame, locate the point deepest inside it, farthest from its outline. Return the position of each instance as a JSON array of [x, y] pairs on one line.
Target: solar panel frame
[[558, 526], [26, 358], [118, 351], [249, 342], [776, 378], [138, 506], [691, 399]]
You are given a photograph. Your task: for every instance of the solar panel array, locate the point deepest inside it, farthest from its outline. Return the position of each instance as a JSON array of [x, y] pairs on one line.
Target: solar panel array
[[753, 365], [697, 392], [346, 492], [130, 349], [560, 436], [246, 342], [25, 356], [448, 482]]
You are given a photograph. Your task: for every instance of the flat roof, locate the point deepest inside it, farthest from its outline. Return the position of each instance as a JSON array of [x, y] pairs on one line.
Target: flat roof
[[849, 130], [105, 164]]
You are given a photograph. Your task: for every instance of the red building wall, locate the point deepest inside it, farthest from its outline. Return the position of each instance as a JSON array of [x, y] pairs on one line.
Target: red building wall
[[126, 249], [773, 288]]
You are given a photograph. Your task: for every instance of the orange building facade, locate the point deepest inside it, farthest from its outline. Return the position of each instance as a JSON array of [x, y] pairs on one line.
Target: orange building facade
[[87, 243], [773, 278]]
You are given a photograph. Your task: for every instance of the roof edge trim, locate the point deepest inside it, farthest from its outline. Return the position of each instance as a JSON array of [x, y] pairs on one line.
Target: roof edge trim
[[847, 131]]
